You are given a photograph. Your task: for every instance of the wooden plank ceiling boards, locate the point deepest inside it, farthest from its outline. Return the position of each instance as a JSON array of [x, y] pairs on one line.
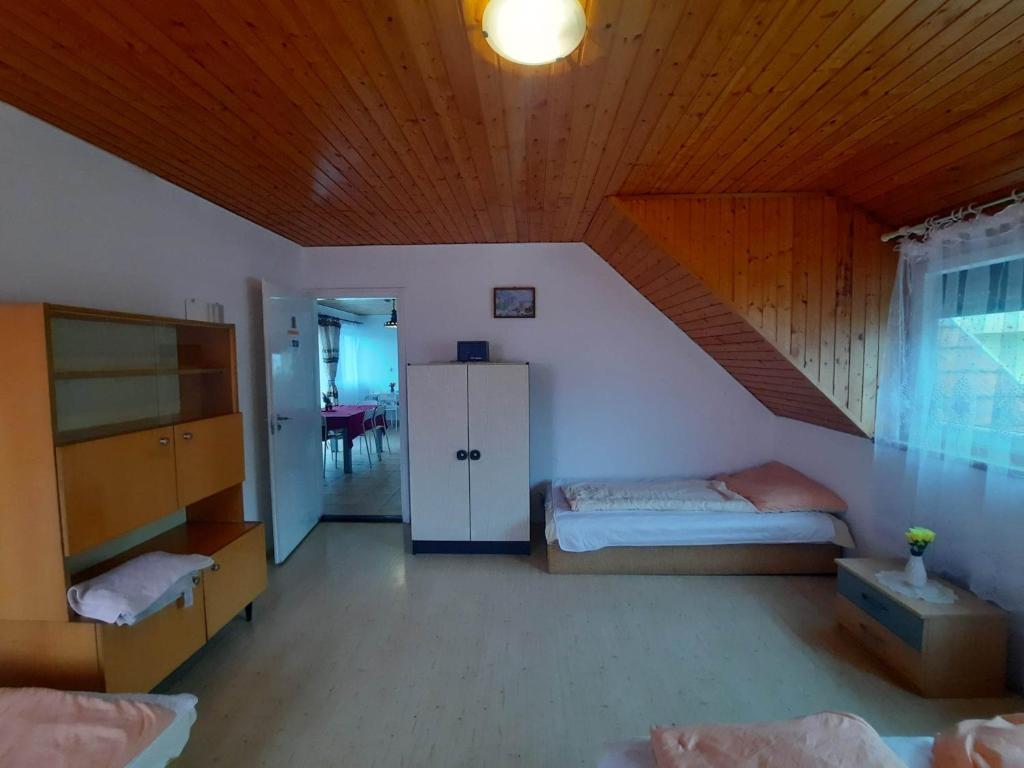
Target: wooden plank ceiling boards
[[391, 121], [789, 293]]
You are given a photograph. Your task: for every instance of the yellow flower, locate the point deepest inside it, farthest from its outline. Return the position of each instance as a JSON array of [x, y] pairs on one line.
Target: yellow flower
[[919, 535]]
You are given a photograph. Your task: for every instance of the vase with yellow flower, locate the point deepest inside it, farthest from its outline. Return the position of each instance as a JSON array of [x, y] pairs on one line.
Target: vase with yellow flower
[[918, 538]]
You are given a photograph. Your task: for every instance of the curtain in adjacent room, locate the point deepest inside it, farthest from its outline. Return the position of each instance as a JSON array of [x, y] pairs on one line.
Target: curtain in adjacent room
[[949, 447], [330, 345]]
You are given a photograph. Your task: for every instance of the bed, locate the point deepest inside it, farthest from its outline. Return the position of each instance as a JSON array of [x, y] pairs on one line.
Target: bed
[[915, 751], [63, 741], [735, 539]]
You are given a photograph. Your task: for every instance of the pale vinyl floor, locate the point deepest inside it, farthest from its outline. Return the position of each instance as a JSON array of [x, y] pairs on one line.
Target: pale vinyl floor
[[362, 655], [373, 488]]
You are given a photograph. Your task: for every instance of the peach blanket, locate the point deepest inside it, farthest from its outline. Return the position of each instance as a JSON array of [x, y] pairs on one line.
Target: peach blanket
[[39, 726], [995, 743], [825, 740]]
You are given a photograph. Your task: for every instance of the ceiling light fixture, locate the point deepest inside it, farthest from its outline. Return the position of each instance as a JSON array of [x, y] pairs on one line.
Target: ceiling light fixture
[[393, 322], [534, 31]]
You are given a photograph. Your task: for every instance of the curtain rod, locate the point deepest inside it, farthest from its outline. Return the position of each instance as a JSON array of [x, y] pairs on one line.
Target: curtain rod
[[936, 222]]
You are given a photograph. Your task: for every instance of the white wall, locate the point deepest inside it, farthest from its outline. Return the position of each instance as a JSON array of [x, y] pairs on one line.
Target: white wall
[[80, 226], [616, 389]]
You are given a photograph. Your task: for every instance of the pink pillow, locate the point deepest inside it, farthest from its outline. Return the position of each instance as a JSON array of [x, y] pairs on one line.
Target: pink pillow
[[775, 487], [834, 739], [995, 743]]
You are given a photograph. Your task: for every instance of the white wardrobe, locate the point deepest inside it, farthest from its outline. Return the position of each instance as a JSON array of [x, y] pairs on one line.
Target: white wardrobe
[[469, 457]]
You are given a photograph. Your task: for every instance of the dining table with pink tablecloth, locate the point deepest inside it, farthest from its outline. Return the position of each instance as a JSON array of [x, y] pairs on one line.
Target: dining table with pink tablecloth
[[348, 419]]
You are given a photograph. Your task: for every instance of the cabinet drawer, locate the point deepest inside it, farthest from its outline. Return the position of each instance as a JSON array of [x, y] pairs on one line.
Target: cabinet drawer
[[238, 576], [906, 625], [136, 658], [209, 455], [896, 654], [111, 486]]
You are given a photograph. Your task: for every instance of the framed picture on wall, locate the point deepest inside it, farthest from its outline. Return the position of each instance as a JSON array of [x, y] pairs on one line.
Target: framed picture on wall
[[515, 301]]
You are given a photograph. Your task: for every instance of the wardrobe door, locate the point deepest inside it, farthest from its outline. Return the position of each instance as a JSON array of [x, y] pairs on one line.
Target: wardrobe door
[[499, 442], [438, 460]]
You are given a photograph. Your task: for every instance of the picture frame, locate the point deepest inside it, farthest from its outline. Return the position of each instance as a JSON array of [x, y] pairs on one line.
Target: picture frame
[[515, 302]]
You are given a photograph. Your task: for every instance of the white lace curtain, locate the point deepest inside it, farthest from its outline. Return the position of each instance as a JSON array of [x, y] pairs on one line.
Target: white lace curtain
[[330, 346], [950, 432]]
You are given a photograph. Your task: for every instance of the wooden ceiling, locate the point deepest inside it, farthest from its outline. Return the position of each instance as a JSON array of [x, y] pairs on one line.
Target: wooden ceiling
[[391, 121]]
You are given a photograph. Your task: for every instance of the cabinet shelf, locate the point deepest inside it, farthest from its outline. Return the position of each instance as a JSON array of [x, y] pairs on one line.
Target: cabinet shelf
[[189, 538], [124, 373]]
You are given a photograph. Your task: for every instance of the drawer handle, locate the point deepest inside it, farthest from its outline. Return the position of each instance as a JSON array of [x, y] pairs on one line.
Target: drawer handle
[[186, 435], [195, 580], [872, 601], [215, 567], [164, 441]]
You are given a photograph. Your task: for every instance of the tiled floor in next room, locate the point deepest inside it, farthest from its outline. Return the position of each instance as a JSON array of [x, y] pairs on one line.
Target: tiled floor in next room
[[372, 488]]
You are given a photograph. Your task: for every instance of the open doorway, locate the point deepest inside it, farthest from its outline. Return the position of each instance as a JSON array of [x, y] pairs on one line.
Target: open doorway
[[359, 388]]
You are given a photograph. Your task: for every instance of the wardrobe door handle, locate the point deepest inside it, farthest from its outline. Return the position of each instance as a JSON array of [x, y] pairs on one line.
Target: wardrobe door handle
[[461, 455], [164, 441], [474, 455], [186, 436], [215, 567]]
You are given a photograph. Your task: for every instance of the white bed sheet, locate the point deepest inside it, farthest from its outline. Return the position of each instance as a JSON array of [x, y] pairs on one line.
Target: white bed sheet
[[915, 751], [172, 740], [587, 531]]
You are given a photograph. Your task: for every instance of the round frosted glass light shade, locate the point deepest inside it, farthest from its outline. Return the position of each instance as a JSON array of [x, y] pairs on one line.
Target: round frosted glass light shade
[[534, 31]]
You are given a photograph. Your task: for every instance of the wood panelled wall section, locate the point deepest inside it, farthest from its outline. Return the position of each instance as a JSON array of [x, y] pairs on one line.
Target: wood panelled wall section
[[789, 293]]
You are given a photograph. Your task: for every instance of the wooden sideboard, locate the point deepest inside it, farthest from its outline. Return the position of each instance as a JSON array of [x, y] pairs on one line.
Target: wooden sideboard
[[113, 424], [946, 651]]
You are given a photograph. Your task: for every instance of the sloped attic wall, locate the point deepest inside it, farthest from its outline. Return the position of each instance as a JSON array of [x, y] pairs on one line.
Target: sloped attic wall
[[789, 293]]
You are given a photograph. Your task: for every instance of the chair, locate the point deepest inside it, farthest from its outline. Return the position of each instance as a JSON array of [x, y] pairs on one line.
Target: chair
[[369, 418], [390, 403], [376, 420], [330, 436]]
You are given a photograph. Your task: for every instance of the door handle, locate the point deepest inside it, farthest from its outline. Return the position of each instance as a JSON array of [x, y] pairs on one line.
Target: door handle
[[283, 418], [474, 455], [164, 441], [461, 455], [186, 436]]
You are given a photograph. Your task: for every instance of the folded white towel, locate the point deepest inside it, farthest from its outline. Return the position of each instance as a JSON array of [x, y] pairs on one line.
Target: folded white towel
[[137, 588]]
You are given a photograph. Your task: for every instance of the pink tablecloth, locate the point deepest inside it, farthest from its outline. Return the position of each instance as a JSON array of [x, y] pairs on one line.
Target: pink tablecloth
[[348, 417]]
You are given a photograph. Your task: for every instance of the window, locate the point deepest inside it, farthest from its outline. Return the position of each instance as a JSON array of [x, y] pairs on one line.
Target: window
[[976, 398]]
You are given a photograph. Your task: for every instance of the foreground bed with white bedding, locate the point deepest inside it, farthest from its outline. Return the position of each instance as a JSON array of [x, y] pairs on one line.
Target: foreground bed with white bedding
[[683, 527]]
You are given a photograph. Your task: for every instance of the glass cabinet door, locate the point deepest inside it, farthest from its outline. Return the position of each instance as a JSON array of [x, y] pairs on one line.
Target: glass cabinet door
[[115, 375], [111, 376]]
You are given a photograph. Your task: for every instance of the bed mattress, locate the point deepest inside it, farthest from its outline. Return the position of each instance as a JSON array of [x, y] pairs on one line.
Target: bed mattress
[[589, 531], [915, 751], [170, 743]]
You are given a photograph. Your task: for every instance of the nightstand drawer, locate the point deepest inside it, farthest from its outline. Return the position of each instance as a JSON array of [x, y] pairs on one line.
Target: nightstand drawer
[[894, 617]]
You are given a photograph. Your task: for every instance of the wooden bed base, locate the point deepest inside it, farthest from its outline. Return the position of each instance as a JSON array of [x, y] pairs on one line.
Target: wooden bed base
[[725, 559]]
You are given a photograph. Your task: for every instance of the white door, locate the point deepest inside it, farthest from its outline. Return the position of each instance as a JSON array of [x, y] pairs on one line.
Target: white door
[[435, 404], [499, 442], [293, 416]]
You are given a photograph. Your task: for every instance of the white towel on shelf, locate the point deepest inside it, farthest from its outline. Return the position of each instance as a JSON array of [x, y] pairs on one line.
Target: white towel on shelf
[[137, 588]]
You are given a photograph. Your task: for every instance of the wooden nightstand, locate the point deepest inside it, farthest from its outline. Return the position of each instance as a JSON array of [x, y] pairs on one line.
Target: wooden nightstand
[[954, 651]]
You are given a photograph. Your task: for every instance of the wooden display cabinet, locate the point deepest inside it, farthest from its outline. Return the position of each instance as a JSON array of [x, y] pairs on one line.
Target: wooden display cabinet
[[113, 422]]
